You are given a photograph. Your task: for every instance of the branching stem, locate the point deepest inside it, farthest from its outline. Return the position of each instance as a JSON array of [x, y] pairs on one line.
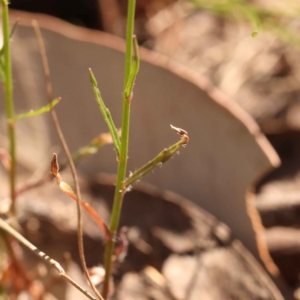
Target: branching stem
[[118, 197]]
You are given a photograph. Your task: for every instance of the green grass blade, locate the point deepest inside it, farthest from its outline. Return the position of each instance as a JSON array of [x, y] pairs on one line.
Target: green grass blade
[[106, 114], [123, 158], [134, 69], [160, 159], [37, 112]]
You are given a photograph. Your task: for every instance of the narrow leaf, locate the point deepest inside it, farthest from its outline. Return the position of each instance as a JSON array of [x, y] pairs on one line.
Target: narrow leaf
[[68, 191], [106, 114], [161, 158], [37, 112], [134, 69]]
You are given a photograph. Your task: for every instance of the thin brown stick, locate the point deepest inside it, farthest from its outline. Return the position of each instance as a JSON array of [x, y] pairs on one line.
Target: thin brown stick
[[67, 152], [61, 272]]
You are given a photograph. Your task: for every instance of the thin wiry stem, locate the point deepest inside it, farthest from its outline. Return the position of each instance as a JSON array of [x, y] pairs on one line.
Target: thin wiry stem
[[68, 191], [68, 154], [9, 104], [118, 197], [61, 272]]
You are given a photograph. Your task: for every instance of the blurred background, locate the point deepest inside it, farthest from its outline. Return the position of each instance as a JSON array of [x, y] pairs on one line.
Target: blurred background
[[250, 50]]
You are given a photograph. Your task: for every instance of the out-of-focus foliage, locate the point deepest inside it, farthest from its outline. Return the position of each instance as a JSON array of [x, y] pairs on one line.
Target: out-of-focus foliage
[[283, 19]]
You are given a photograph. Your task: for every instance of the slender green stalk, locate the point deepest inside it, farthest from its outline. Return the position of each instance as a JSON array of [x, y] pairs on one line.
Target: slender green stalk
[[118, 198], [106, 114], [9, 105]]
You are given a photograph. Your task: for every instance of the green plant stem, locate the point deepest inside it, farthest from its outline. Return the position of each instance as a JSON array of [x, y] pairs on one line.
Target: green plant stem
[[119, 193], [160, 159], [9, 105]]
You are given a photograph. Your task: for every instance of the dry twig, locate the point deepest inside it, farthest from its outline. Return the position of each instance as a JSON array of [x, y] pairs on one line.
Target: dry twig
[[45, 257], [68, 154]]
